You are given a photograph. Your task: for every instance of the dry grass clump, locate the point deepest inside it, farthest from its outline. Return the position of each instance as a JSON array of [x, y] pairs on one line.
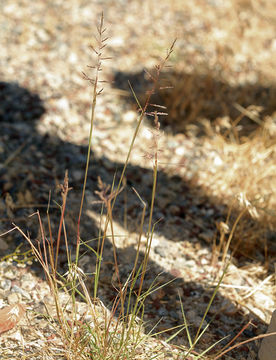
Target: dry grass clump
[[223, 92], [243, 176], [205, 95]]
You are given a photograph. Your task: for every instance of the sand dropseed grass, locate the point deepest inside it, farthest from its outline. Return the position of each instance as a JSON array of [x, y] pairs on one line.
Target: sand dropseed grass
[[100, 333]]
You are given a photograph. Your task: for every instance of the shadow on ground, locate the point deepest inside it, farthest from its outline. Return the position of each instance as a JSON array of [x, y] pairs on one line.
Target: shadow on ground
[[32, 164], [193, 97]]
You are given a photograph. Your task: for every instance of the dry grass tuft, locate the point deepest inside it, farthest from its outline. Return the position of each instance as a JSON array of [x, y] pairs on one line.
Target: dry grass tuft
[[244, 178]]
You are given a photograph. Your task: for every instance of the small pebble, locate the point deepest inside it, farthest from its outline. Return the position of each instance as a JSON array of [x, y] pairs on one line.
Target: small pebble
[[16, 289], [5, 284], [14, 298]]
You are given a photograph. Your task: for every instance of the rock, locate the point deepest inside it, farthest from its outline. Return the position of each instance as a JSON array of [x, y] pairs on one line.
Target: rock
[[9, 272], [16, 289], [180, 151], [268, 347], [5, 284], [116, 41], [162, 312], [161, 251], [14, 298], [28, 285], [130, 117]]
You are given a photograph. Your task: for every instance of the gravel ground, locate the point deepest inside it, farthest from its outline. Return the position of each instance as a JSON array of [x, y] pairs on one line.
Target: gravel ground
[[44, 116]]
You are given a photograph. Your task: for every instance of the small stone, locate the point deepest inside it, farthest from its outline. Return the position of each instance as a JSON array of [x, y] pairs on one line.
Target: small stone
[[42, 35], [175, 272], [14, 298], [191, 263], [228, 307], [5, 284], [129, 117], [210, 212], [73, 58], [27, 285], [162, 312], [204, 261], [174, 315], [9, 273], [16, 289], [218, 161], [116, 41], [63, 104], [159, 250], [172, 143], [180, 151]]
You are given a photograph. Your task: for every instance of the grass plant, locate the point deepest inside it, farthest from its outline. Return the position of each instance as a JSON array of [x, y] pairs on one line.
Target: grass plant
[[115, 334]]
